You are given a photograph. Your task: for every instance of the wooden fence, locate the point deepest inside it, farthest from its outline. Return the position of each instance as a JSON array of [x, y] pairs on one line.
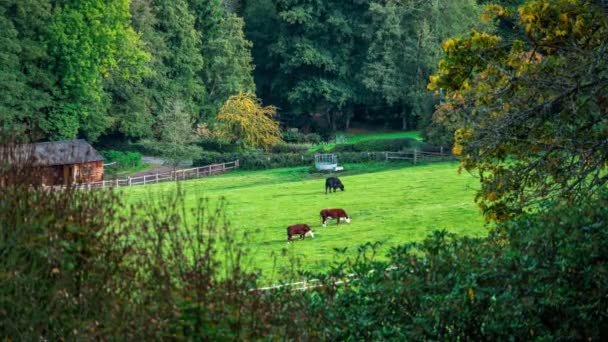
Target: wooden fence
[[419, 156], [309, 284], [176, 175]]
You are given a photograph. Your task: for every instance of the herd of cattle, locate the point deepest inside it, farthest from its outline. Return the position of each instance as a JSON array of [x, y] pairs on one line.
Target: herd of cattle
[[338, 214]]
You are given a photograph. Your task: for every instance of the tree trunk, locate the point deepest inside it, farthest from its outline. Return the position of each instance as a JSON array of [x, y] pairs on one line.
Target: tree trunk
[[331, 120], [349, 115]]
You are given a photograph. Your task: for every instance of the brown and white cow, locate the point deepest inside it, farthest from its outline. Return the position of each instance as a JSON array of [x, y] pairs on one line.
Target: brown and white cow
[[299, 229], [339, 214]]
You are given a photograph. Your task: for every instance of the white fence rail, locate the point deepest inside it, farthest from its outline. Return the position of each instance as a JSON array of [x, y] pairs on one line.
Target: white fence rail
[[197, 172], [418, 156], [309, 284]]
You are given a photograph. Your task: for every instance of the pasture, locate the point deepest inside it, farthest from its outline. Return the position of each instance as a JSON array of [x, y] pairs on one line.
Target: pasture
[[394, 203]]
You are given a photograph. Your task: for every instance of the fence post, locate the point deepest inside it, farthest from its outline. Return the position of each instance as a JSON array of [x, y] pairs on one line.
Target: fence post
[[385, 156], [130, 181], [441, 150], [116, 182], [415, 155], [157, 178], [237, 163]]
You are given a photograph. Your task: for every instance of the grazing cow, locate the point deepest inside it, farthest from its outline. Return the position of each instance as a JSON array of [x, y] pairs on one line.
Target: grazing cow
[[299, 229], [338, 214], [333, 183]]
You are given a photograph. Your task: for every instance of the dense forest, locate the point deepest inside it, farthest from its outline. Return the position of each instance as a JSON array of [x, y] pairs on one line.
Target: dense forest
[[133, 70]]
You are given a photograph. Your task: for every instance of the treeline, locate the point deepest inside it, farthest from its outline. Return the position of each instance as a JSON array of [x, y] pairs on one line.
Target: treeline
[[142, 69], [130, 68], [338, 61]]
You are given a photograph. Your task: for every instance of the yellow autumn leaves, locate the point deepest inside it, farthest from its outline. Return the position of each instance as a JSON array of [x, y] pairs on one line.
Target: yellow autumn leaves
[[243, 120]]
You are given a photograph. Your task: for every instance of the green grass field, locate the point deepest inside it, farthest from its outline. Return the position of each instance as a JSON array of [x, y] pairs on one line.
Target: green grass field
[[393, 203]]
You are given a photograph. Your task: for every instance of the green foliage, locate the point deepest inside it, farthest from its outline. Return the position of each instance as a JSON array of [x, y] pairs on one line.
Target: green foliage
[[27, 81], [289, 148], [342, 60], [404, 50], [91, 41], [123, 159], [75, 267], [177, 142], [373, 145], [315, 49], [297, 137], [530, 116], [228, 64], [542, 276]]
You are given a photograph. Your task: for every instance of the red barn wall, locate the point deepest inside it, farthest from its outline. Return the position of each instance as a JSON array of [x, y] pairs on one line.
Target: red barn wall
[[72, 173], [89, 172]]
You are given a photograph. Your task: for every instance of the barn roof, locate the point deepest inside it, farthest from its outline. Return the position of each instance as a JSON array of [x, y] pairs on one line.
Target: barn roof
[[62, 152]]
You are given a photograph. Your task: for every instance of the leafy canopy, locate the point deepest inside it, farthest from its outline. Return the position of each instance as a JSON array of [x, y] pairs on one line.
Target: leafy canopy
[[243, 120], [531, 116]]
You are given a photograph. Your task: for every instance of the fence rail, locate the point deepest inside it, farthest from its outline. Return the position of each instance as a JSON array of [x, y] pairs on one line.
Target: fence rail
[[310, 284], [418, 156], [197, 172]]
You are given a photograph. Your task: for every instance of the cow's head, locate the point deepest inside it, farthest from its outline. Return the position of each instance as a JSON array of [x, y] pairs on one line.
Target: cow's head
[[341, 187], [345, 219], [310, 234]]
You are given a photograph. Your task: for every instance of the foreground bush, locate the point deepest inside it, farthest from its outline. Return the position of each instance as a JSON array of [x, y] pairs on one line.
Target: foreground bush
[[542, 276], [83, 265]]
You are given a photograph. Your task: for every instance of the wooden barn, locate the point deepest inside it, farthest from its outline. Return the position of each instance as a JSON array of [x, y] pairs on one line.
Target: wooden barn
[[66, 162]]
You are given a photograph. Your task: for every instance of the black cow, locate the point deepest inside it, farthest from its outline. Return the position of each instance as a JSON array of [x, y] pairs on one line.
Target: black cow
[[299, 229], [339, 214], [333, 183]]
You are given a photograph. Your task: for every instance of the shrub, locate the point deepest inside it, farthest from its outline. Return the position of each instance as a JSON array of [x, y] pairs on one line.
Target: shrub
[[289, 148], [397, 144], [216, 145], [313, 138], [375, 145], [123, 159], [344, 148], [301, 138], [543, 276], [76, 268]]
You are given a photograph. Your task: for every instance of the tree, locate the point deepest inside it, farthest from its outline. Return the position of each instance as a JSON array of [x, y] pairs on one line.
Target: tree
[[227, 57], [316, 49], [243, 120], [403, 50], [177, 137], [27, 82], [530, 116], [89, 40], [261, 22]]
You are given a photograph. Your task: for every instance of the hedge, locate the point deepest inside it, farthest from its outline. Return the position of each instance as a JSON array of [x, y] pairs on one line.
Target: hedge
[[297, 137], [123, 159], [375, 145]]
